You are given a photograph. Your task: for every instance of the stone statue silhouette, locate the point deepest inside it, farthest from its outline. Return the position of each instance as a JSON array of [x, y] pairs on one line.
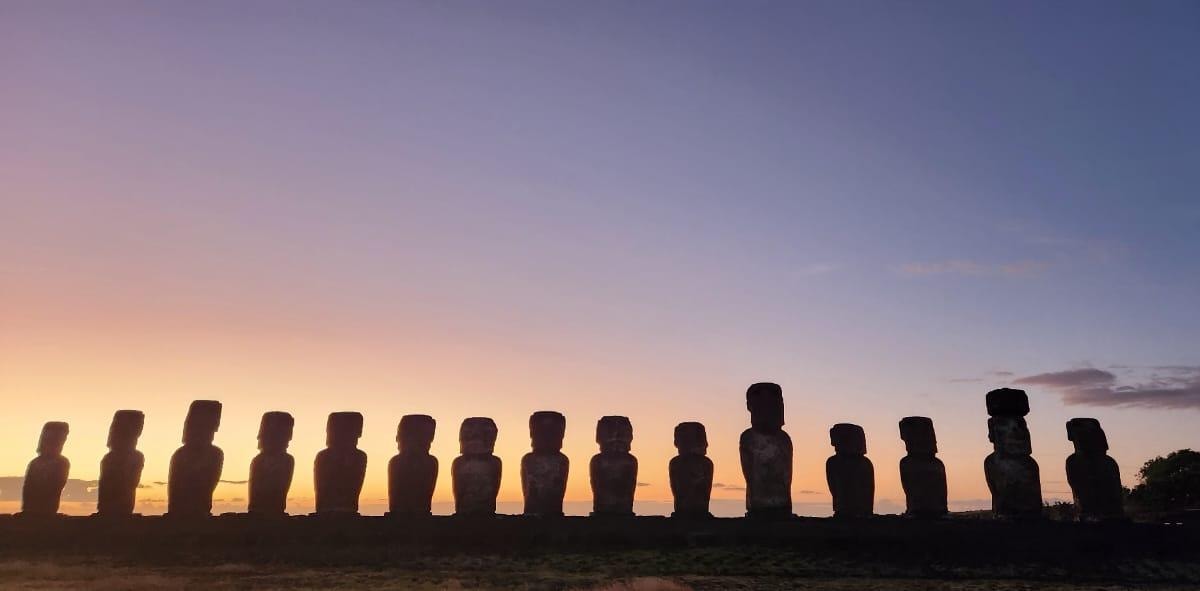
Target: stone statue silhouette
[[1012, 474], [47, 473], [614, 470], [922, 474], [850, 475], [1094, 477], [691, 472], [412, 474], [271, 470], [476, 473], [196, 467], [340, 468], [121, 467], [544, 470], [766, 454]]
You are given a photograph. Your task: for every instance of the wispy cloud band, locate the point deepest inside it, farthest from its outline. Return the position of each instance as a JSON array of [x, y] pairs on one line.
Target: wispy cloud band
[[1172, 387], [973, 268]]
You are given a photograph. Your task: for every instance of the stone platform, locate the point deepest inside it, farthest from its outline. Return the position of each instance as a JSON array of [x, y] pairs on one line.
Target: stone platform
[[1071, 547]]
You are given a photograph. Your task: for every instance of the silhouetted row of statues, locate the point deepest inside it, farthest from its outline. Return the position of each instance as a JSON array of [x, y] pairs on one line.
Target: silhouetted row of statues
[[765, 449]]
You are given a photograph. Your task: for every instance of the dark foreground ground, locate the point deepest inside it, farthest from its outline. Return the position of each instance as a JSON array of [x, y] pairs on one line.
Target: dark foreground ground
[[644, 554]]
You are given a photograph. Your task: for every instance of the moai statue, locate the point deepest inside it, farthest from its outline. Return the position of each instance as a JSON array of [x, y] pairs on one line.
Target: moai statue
[[544, 470], [476, 473], [121, 467], [766, 452], [47, 473], [1012, 474], [271, 470], [340, 468], [412, 474], [691, 472], [614, 470], [1094, 477], [850, 475], [196, 467], [922, 474]]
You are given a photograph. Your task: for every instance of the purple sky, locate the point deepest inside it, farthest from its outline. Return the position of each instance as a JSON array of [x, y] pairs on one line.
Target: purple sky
[[603, 208]]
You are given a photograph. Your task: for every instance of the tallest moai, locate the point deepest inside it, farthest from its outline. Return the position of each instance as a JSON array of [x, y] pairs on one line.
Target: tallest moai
[[766, 452], [1012, 474]]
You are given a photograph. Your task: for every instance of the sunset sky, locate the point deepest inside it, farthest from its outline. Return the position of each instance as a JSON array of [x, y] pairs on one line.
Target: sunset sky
[[623, 207]]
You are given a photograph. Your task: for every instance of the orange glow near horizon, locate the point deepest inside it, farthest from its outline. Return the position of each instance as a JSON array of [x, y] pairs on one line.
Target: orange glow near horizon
[[162, 382]]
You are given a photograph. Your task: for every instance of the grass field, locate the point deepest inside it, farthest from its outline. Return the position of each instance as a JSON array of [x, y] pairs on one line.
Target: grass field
[[609, 571]]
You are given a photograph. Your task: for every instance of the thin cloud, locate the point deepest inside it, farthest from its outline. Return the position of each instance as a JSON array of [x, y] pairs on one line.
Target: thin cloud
[[234, 481], [1071, 378], [75, 491], [973, 268], [990, 374], [1173, 386]]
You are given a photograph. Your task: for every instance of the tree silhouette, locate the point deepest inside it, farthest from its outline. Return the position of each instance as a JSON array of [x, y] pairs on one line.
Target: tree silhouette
[[1169, 483]]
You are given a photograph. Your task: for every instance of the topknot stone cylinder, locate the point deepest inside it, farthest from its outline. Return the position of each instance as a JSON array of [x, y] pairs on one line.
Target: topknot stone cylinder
[[1007, 402]]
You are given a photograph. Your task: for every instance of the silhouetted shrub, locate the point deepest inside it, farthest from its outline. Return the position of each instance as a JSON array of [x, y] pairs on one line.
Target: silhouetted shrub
[[1169, 483]]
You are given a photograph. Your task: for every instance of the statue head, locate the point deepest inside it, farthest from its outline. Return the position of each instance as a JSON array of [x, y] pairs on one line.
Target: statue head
[[1009, 436], [1087, 436], [275, 431], [848, 439], [414, 434], [690, 438], [919, 438], [477, 436], [614, 434], [764, 400], [53, 438], [343, 429], [546, 430], [125, 428], [203, 420], [1007, 402]]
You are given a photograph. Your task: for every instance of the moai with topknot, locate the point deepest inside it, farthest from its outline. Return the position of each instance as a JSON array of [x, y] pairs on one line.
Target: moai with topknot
[[47, 473], [922, 474], [412, 474], [850, 475], [766, 453], [614, 470], [476, 472], [121, 467], [196, 467], [1094, 477], [340, 468], [544, 470], [271, 470], [1012, 474], [691, 472]]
